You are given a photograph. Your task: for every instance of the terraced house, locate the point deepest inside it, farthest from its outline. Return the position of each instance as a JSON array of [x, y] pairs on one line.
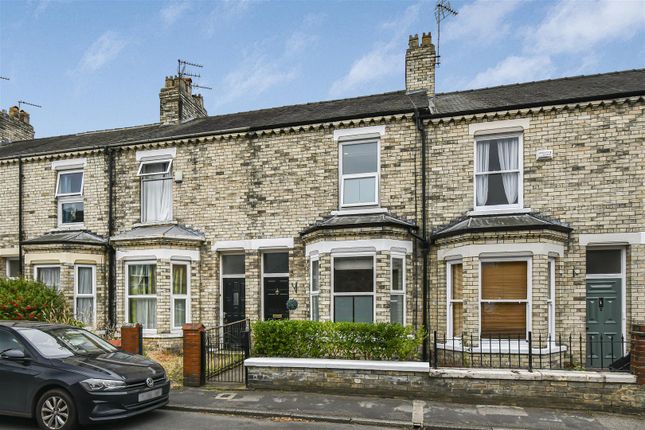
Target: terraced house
[[486, 213]]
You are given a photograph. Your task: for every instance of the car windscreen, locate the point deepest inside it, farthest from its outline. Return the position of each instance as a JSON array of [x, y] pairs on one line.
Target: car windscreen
[[61, 342]]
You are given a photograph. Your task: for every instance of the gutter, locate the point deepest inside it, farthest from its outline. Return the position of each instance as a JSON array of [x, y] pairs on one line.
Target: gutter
[[423, 239], [21, 233]]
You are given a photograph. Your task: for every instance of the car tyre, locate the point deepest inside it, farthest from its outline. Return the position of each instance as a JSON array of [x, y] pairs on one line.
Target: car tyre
[[56, 410]]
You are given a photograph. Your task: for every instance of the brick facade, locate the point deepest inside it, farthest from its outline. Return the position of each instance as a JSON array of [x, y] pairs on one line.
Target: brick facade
[[241, 190], [14, 125]]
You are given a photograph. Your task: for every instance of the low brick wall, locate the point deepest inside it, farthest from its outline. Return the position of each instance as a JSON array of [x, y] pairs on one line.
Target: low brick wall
[[611, 392]]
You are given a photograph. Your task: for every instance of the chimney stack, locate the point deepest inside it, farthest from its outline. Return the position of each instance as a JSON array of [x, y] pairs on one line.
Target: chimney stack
[[420, 61], [178, 103], [14, 125]]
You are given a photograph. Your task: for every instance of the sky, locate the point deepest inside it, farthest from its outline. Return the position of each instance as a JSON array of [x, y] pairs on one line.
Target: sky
[[100, 64]]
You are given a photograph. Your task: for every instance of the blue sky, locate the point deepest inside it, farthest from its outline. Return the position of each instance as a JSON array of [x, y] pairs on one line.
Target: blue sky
[[99, 64]]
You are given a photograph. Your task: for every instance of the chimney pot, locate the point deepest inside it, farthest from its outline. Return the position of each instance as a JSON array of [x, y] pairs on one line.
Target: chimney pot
[[426, 40], [413, 41]]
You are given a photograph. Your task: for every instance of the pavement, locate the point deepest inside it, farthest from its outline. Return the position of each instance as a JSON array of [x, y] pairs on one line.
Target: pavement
[[163, 419], [390, 412]]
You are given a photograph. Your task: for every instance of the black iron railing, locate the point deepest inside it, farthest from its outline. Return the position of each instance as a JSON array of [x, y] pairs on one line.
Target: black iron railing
[[225, 348], [531, 351]]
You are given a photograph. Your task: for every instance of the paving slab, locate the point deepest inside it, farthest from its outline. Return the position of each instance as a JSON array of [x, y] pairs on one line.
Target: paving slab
[[392, 412]]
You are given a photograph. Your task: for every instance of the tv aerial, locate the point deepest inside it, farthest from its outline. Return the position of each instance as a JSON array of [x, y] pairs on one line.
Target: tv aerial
[[182, 73], [22, 102], [442, 10]]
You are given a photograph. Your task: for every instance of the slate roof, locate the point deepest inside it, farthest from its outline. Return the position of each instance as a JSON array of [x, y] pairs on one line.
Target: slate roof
[[555, 91], [511, 222], [357, 221], [170, 232], [80, 237]]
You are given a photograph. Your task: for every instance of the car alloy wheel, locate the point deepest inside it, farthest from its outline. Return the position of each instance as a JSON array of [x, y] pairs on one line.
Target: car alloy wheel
[[56, 411]]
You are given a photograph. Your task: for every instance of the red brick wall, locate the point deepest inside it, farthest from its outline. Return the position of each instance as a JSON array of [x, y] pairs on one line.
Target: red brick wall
[[193, 367], [131, 339], [638, 352]]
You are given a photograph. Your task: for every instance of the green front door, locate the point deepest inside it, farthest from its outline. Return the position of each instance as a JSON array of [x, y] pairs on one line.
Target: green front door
[[604, 332]]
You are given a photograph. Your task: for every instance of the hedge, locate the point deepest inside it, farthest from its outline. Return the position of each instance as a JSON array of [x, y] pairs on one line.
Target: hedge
[[340, 340], [21, 299]]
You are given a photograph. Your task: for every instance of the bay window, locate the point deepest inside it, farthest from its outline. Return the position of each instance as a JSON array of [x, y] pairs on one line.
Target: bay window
[[498, 172], [69, 193], [48, 275], [141, 295], [85, 294], [397, 293], [315, 290], [156, 190], [504, 299], [359, 168], [353, 287], [180, 295], [12, 268], [455, 291]]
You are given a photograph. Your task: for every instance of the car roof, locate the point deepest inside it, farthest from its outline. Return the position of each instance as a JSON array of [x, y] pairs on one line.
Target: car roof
[[30, 324]]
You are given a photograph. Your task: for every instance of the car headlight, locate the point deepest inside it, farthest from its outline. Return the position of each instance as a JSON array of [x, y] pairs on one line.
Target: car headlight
[[102, 384]]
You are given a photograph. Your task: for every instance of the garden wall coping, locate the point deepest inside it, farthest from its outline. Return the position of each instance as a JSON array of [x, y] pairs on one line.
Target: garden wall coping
[[319, 363]]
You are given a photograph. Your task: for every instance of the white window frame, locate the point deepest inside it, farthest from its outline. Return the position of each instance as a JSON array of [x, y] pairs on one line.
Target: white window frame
[[63, 198], [373, 293], [144, 177], [139, 296], [67, 172], [449, 300], [86, 296], [403, 291], [376, 175], [623, 280], [7, 263], [173, 296], [49, 266], [223, 276], [520, 191], [529, 292], [272, 275], [551, 299], [312, 293], [146, 162]]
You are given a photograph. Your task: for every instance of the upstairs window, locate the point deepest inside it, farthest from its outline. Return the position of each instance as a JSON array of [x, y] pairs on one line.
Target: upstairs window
[[69, 192], [498, 175], [359, 174], [156, 190]]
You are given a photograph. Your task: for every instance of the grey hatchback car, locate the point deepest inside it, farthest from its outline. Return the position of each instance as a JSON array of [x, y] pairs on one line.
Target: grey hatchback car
[[63, 376]]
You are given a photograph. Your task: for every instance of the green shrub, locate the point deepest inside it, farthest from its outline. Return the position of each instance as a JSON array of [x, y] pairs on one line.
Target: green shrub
[[341, 340], [21, 299]]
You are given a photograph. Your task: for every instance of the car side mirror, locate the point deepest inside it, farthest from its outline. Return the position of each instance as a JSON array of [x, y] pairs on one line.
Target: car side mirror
[[15, 355]]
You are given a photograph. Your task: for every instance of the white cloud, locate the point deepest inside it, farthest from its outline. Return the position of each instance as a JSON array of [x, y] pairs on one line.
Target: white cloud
[[104, 49], [569, 28], [572, 26], [255, 75], [480, 22], [383, 60], [372, 66], [514, 69], [173, 11], [225, 10]]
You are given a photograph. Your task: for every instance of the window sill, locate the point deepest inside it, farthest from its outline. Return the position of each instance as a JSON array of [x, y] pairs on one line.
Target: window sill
[[503, 347], [70, 227], [153, 223], [359, 211], [483, 212]]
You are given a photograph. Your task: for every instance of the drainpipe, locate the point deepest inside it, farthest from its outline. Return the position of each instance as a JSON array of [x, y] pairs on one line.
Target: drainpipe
[[425, 245], [21, 259], [110, 249]]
